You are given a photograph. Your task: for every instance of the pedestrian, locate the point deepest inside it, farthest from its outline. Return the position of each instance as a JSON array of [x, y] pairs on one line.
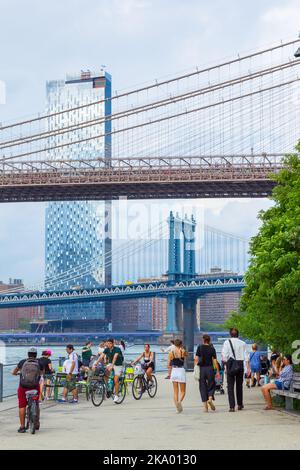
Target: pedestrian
[[178, 376], [234, 354], [255, 366], [48, 371], [206, 359], [86, 354], [71, 369]]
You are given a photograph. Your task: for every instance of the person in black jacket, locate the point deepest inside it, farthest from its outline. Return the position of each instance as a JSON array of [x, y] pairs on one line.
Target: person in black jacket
[[206, 358]]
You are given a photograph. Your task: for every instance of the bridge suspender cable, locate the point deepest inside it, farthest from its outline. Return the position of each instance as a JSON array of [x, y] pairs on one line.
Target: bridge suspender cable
[[155, 85], [147, 107], [154, 121]]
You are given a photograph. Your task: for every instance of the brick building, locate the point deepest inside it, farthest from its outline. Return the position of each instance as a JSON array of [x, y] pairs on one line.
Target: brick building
[[17, 318]]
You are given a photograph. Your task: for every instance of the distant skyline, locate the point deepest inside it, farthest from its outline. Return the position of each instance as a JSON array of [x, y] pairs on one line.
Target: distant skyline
[[138, 41]]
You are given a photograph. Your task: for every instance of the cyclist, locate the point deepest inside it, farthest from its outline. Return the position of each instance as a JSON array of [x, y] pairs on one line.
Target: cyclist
[[30, 371], [115, 360], [147, 358]]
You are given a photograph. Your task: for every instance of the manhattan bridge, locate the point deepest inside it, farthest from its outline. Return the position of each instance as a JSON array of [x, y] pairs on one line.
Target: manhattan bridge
[[219, 131]]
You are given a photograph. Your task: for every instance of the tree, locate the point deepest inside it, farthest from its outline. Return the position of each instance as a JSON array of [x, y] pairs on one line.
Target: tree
[[270, 303]]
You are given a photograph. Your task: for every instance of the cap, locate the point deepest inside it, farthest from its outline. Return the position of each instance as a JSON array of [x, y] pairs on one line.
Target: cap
[[32, 350]]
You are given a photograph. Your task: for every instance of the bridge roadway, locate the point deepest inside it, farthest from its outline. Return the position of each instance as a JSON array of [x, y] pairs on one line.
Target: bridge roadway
[[194, 287], [139, 178], [152, 424]]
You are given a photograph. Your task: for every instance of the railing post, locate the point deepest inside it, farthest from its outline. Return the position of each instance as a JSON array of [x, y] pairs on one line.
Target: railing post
[[1, 383]]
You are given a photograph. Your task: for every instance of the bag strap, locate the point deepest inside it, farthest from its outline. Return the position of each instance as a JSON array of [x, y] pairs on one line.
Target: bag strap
[[232, 349]]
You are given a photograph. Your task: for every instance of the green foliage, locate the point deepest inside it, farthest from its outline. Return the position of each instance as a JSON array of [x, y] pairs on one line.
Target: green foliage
[[270, 303]]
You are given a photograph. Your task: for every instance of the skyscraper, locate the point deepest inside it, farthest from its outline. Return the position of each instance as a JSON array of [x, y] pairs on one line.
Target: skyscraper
[[77, 245]]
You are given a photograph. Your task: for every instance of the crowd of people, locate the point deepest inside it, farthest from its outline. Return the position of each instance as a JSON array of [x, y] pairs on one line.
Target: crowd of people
[[235, 363], [35, 372]]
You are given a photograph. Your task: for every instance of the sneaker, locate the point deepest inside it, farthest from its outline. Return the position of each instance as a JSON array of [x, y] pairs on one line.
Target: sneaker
[[116, 399], [21, 430], [61, 400], [73, 401], [180, 408]]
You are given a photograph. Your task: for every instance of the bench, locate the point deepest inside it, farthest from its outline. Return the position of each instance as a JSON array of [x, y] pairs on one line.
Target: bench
[[292, 394]]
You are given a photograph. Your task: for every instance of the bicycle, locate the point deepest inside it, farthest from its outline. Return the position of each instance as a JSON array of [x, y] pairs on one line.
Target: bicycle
[[32, 411], [141, 384], [101, 389]]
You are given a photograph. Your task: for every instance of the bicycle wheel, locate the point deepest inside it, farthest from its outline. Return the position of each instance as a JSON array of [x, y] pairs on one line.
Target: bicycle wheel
[[122, 393], [152, 390], [97, 394], [32, 417], [138, 387]]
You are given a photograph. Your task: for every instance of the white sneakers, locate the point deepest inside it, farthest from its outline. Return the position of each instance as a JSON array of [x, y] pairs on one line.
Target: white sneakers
[[116, 399]]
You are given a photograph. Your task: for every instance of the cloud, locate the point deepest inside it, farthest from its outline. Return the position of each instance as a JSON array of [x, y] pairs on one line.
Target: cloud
[[280, 21]]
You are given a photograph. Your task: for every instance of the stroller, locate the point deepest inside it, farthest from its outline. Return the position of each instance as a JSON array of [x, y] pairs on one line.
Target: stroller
[[220, 382]]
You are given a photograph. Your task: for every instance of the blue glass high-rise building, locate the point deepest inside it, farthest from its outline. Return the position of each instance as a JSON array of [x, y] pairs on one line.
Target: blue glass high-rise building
[[77, 245]]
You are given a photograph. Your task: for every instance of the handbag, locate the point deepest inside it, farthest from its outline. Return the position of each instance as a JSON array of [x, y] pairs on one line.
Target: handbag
[[233, 367], [196, 372]]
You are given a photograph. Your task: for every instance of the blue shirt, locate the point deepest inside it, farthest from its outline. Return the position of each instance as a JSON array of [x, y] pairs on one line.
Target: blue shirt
[[285, 376], [255, 361]]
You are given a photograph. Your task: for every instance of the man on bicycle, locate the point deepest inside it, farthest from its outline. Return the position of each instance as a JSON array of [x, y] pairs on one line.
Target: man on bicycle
[[115, 360], [30, 371]]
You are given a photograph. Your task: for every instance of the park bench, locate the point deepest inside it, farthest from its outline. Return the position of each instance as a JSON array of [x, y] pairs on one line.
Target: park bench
[[292, 394]]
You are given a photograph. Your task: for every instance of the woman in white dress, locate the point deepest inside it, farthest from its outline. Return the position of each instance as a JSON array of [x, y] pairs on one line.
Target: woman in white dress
[[178, 376]]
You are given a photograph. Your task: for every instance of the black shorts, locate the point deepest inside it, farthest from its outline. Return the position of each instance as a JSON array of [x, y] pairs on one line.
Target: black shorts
[[148, 366]]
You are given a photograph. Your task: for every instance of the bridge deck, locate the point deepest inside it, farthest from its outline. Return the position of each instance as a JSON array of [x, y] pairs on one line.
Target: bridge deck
[[151, 424], [139, 178]]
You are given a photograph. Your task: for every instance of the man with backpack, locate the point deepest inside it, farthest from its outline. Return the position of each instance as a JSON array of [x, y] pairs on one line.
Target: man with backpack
[[235, 354], [30, 371]]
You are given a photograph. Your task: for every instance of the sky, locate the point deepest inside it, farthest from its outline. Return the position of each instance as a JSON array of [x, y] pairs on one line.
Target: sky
[[138, 41]]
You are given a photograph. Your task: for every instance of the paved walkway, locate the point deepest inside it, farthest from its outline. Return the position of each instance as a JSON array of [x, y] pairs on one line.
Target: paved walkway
[[153, 424]]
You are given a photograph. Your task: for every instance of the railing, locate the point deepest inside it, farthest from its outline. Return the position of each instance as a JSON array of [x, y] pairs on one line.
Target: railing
[[160, 366]]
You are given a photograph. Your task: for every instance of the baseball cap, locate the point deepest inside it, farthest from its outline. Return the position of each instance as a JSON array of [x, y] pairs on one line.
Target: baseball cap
[[32, 350]]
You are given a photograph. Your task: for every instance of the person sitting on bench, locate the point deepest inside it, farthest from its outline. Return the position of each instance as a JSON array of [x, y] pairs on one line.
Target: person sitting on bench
[[282, 383]]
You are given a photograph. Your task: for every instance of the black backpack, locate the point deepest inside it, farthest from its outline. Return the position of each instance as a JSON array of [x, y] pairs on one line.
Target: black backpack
[[30, 374]]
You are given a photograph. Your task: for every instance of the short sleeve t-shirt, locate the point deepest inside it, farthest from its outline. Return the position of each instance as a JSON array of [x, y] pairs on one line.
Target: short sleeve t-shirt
[[208, 353], [44, 363], [86, 354], [109, 353], [68, 363]]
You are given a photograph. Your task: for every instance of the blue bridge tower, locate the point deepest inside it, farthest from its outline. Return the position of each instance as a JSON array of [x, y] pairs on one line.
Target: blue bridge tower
[[182, 267]]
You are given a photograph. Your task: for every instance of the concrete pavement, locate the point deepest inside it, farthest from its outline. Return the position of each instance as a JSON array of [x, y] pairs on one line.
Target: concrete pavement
[[153, 424]]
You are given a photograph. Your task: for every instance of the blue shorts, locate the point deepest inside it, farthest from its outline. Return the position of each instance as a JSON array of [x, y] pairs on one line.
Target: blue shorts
[[279, 385], [255, 370]]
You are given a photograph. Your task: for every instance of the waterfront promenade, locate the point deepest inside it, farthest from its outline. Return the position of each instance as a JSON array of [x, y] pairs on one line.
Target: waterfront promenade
[[153, 424]]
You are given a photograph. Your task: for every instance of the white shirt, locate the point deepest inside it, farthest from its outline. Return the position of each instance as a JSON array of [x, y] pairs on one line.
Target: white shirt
[[68, 363], [240, 349]]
